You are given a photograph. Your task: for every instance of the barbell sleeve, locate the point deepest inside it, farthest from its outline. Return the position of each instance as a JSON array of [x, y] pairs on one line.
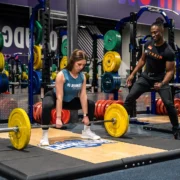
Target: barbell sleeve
[[12, 129]]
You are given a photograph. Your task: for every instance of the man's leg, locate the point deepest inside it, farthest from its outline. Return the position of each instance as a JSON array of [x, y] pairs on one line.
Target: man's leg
[[166, 96], [141, 86]]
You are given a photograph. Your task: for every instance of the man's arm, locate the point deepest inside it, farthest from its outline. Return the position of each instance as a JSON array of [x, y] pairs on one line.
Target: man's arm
[[170, 65], [139, 66], [141, 63]]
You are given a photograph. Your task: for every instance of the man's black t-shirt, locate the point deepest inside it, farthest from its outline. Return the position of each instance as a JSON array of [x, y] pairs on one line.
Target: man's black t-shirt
[[156, 57]]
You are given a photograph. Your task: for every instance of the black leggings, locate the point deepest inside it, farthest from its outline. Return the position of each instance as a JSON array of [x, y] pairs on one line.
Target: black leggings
[[144, 84], [49, 103]]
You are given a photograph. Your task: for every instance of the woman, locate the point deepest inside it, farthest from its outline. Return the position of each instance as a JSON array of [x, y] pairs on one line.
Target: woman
[[69, 93]]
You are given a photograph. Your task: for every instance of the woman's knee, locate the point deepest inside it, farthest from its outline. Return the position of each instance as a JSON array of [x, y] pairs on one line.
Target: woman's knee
[[91, 104], [47, 104]]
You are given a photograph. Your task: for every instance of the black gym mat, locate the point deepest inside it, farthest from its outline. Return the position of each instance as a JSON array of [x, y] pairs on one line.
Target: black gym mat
[[156, 141], [163, 127], [34, 163]]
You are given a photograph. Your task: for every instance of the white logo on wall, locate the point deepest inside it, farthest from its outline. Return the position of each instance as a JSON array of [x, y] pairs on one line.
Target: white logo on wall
[[20, 37]]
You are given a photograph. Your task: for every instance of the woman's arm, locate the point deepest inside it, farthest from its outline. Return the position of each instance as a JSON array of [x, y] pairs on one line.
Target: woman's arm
[[83, 99], [59, 97]]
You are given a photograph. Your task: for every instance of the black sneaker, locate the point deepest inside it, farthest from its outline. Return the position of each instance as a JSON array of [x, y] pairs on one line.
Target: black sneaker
[[176, 133]]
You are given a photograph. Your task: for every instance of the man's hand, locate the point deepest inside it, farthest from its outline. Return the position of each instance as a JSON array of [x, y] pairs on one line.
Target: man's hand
[[158, 85], [85, 120], [129, 80], [59, 123]]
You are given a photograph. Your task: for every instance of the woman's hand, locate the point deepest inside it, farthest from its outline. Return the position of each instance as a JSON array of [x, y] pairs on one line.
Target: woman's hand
[[86, 120], [59, 123]]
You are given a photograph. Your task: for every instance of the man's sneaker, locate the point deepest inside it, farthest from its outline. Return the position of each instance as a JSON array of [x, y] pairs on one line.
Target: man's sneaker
[[88, 134], [176, 133]]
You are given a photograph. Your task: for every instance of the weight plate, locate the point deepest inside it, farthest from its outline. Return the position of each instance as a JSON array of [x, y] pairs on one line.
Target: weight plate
[[37, 58], [37, 79], [64, 48], [1, 41], [63, 62], [120, 127], [2, 62], [110, 82], [112, 40], [4, 83], [38, 33], [19, 118], [111, 61]]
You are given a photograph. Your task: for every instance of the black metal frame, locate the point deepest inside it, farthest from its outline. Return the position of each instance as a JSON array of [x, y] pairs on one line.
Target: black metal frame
[[45, 20]]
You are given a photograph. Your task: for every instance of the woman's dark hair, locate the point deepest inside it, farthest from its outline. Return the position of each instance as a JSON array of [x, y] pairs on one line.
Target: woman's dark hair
[[159, 22], [76, 55]]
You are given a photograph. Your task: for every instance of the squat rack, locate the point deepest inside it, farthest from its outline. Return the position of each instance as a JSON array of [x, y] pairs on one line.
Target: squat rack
[[44, 6]]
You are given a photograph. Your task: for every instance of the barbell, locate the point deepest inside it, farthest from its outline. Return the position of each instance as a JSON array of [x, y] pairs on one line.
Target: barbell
[[19, 127]]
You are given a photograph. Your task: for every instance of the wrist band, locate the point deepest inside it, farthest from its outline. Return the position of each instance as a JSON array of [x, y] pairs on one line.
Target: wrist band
[[85, 115]]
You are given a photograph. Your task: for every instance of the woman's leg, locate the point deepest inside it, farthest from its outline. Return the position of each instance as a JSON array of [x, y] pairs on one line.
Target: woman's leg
[[75, 104], [49, 102]]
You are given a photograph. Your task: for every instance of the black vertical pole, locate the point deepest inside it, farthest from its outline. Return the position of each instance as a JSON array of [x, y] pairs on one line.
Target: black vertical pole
[[171, 33], [45, 19], [95, 57], [132, 49], [72, 25], [172, 44]]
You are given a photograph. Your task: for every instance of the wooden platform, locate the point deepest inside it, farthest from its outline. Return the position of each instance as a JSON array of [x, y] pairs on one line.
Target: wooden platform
[[103, 153], [155, 119]]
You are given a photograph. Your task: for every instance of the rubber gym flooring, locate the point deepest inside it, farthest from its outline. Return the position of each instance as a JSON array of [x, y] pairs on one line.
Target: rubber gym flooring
[[70, 157]]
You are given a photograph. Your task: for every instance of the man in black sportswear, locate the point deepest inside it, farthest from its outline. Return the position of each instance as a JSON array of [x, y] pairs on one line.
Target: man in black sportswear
[[159, 60]]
